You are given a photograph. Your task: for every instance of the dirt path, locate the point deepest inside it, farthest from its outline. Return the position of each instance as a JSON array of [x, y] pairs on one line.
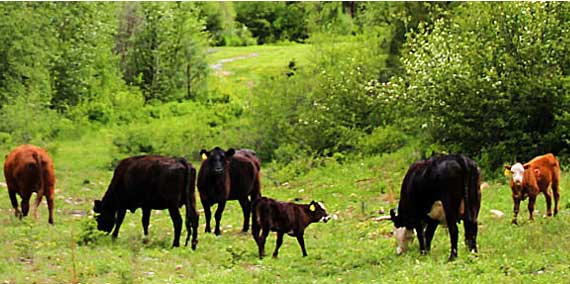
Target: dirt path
[[217, 67]]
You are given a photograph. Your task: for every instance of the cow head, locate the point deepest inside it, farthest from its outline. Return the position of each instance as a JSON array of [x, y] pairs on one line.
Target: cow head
[[517, 172], [403, 235], [404, 238], [318, 212], [105, 217], [217, 160]]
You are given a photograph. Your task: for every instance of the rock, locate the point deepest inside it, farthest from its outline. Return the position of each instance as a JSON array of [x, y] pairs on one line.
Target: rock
[[497, 213]]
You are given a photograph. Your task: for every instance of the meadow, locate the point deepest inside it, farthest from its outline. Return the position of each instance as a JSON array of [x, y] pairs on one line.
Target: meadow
[[351, 249]]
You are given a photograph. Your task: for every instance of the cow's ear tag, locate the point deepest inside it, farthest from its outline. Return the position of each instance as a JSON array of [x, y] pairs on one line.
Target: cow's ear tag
[[204, 157], [507, 173], [312, 207]]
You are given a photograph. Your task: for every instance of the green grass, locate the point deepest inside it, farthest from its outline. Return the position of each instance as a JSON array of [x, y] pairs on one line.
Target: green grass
[[252, 64], [352, 249]]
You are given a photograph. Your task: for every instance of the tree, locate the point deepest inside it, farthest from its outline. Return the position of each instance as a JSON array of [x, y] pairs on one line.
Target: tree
[[491, 81]]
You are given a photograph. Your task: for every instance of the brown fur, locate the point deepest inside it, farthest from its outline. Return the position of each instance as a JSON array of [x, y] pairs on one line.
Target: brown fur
[[540, 173], [29, 169], [283, 218]]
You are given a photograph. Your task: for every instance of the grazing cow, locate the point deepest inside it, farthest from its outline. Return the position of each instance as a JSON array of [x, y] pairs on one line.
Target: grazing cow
[[448, 182], [29, 169], [150, 182], [228, 175], [283, 218], [530, 179]]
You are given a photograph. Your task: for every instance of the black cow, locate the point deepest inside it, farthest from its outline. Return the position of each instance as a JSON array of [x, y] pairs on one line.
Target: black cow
[[450, 181], [228, 175], [283, 218], [150, 182]]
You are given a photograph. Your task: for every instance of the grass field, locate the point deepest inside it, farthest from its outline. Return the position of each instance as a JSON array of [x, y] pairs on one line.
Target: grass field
[[351, 249]]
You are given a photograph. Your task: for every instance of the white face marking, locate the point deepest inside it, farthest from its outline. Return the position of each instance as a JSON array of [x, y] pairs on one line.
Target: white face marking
[[404, 238], [518, 172]]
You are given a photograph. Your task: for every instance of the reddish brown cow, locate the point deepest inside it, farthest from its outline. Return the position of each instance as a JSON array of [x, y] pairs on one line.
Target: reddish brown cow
[[29, 169], [284, 218], [228, 175], [530, 179]]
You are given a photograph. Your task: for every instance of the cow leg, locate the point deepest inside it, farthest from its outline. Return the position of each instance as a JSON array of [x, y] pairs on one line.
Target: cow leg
[[517, 203], [145, 220], [301, 241], [531, 202], [208, 214], [25, 204], [14, 201], [556, 192], [432, 225], [246, 209], [49, 200], [261, 242], [548, 197], [278, 243], [421, 238], [453, 236], [470, 235], [177, 222], [218, 217], [120, 217]]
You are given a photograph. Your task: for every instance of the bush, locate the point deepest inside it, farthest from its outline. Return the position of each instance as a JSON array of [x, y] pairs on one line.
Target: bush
[[491, 81], [382, 140]]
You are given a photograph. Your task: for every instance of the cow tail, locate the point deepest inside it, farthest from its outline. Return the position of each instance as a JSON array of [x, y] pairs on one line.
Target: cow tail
[[467, 177], [190, 203], [255, 225], [41, 177]]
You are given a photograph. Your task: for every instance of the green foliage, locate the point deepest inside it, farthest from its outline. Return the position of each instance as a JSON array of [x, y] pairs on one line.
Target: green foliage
[[382, 140], [327, 113], [28, 120], [491, 81], [221, 24], [274, 21], [162, 49]]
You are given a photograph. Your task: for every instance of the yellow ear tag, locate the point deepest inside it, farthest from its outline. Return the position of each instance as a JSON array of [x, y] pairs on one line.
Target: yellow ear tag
[[312, 207], [507, 173], [204, 157]]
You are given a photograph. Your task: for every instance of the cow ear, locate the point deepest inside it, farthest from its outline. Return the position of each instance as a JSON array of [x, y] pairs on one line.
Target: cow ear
[[230, 152], [97, 206]]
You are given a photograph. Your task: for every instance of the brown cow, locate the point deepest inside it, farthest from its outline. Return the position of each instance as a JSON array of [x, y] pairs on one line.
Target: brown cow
[[228, 175], [30, 169], [283, 218], [530, 179], [150, 182]]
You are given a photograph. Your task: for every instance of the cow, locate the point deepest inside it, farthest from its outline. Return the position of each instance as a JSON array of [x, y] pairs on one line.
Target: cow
[[444, 182], [228, 175], [150, 182], [283, 218], [532, 178], [29, 169]]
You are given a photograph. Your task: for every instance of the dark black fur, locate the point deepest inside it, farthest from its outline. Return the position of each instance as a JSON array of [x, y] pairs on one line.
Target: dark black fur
[[449, 178], [150, 182]]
